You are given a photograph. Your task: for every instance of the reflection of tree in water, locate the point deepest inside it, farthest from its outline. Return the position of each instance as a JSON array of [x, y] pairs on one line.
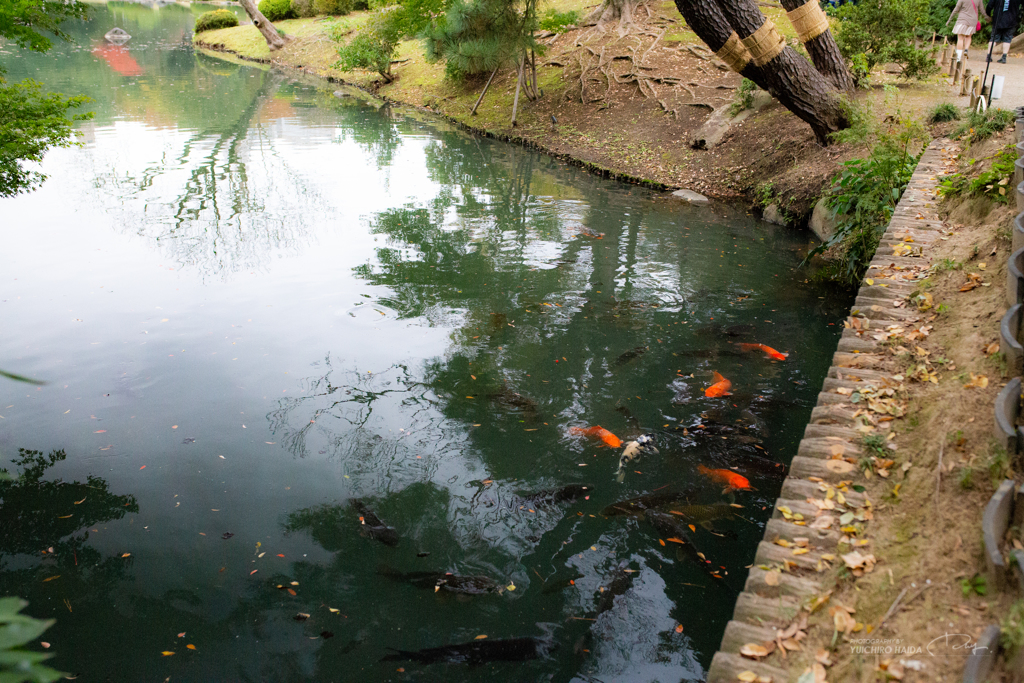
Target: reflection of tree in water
[[41, 534], [346, 413]]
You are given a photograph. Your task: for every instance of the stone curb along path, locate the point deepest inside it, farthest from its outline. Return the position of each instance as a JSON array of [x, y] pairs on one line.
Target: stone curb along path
[[819, 517]]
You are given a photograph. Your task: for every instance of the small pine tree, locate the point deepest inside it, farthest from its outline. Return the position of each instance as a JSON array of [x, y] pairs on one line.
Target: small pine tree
[[478, 36]]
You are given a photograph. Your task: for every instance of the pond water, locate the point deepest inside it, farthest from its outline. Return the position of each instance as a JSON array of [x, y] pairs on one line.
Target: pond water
[[253, 302]]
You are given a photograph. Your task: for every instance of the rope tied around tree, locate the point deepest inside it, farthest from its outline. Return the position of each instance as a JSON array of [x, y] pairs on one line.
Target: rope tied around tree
[[734, 53], [765, 44], [808, 20]]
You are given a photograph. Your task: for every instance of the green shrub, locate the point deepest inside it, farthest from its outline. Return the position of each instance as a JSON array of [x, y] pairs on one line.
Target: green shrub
[[864, 196], [744, 96], [559, 22], [276, 10], [860, 70], [333, 7], [1012, 628], [978, 127], [884, 32], [375, 44], [303, 8], [940, 113], [218, 18], [993, 183]]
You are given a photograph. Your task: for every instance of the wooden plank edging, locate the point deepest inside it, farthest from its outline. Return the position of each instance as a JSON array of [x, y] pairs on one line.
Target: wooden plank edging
[[769, 603]]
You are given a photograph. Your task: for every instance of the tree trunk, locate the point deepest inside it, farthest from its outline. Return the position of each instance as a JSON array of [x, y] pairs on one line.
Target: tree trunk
[[611, 10], [270, 34], [787, 76], [824, 52]]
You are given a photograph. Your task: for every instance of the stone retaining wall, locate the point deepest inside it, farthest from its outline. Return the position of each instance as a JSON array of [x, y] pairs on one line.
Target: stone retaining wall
[[771, 598]]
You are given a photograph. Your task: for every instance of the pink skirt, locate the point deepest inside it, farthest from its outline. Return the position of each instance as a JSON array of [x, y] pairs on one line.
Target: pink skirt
[[963, 29]]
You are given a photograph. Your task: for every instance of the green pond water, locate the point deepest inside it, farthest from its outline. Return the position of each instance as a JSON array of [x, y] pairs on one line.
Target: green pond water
[[253, 301]]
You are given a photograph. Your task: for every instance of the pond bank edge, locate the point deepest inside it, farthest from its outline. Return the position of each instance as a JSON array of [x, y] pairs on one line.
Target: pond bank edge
[[769, 604], [588, 166]]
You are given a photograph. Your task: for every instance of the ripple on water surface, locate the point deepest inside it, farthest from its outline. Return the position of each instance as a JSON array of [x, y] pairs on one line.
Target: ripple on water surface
[[255, 303]]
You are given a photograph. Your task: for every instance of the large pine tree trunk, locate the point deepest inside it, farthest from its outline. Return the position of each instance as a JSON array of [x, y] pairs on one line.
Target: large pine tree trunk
[[823, 50], [788, 76], [612, 10], [270, 34]]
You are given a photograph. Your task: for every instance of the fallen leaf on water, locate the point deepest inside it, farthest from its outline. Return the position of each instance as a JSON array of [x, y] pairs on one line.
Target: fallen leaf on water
[[191, 646], [676, 540], [511, 587], [661, 541], [333, 610], [292, 592], [227, 535], [125, 555], [301, 616], [481, 636], [143, 467], [280, 555], [51, 578], [45, 645], [253, 572], [79, 502], [100, 431], [181, 635], [167, 653], [679, 628]]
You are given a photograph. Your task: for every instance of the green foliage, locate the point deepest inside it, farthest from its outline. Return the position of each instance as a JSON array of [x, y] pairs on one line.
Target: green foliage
[[744, 96], [30, 123], [21, 20], [375, 44], [976, 585], [477, 36], [966, 478], [218, 18], [940, 113], [558, 22], [16, 630], [875, 443], [978, 127], [864, 196], [277, 10], [998, 465], [860, 70], [303, 8], [1012, 628], [993, 183], [883, 32], [333, 7]]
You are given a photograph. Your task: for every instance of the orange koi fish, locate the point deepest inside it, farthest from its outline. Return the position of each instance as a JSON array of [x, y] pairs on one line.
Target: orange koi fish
[[598, 432], [772, 353], [719, 388], [732, 480]]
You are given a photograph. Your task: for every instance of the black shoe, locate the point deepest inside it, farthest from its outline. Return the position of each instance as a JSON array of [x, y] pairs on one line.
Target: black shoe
[[1002, 60]]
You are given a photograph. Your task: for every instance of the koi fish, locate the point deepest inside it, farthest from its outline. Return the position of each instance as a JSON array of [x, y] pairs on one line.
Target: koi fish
[[772, 353], [732, 480], [599, 432], [632, 452], [719, 388]]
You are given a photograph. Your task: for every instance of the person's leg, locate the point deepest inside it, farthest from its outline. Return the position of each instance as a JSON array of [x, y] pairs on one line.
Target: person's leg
[[961, 45]]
